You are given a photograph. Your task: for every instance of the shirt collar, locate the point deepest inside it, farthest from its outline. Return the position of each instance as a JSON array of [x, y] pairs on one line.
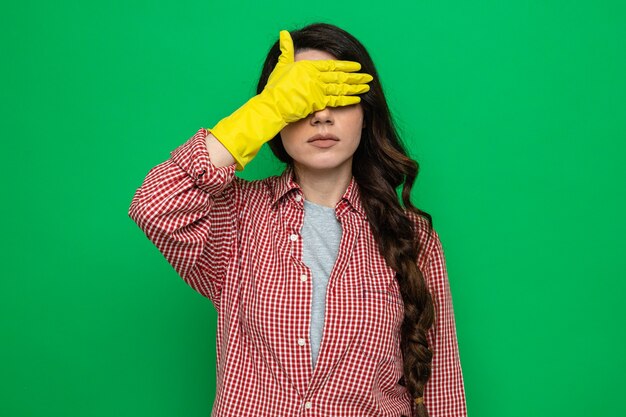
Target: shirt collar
[[351, 198]]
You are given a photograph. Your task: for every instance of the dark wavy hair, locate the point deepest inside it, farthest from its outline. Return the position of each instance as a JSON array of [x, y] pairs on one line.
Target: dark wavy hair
[[380, 165]]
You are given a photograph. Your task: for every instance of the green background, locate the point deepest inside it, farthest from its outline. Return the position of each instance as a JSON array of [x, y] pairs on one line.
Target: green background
[[514, 109]]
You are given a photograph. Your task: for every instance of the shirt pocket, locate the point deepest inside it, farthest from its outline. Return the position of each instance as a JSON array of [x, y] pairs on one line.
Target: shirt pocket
[[381, 312]]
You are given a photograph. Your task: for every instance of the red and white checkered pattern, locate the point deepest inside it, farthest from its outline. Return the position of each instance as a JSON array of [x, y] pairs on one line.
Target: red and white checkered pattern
[[237, 242]]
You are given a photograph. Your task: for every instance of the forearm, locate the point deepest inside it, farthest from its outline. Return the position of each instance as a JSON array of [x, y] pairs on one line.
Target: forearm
[[219, 155]]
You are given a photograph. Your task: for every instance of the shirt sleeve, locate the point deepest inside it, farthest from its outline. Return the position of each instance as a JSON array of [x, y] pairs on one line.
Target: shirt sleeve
[[444, 394], [187, 207]]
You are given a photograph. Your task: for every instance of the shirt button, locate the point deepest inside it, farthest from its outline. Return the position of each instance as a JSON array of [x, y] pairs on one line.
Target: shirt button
[[293, 237], [308, 404], [303, 277], [301, 342], [298, 197]]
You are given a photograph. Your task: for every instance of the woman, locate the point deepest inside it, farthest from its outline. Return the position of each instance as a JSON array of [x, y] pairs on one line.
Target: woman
[[332, 298]]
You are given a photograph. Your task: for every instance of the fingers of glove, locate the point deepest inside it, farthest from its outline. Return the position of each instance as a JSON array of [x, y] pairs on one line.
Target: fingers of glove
[[338, 101], [345, 89], [286, 48], [336, 65], [345, 77]]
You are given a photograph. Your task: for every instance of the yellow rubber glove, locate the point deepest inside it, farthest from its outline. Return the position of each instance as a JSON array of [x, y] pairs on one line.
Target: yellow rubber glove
[[293, 91]]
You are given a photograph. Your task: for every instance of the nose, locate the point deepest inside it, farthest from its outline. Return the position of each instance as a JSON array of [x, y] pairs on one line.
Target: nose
[[321, 117]]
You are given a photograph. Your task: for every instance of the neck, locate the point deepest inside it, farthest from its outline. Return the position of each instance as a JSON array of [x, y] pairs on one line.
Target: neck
[[324, 187]]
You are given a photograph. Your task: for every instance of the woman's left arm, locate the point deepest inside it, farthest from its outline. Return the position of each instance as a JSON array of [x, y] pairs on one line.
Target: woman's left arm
[[444, 393]]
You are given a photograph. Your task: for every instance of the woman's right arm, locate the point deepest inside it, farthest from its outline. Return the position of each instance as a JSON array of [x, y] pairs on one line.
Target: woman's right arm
[[186, 207]]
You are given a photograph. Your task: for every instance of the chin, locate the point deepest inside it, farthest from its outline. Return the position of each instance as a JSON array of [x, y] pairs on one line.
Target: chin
[[321, 165]]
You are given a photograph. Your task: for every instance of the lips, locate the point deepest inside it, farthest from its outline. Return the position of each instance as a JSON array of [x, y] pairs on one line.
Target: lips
[[323, 136]]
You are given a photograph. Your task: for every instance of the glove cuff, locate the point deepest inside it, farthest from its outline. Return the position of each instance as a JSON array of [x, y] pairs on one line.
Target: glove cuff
[[248, 128]]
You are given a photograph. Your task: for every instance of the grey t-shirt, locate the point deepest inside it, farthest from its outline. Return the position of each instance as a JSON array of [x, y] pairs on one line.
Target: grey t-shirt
[[321, 235]]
